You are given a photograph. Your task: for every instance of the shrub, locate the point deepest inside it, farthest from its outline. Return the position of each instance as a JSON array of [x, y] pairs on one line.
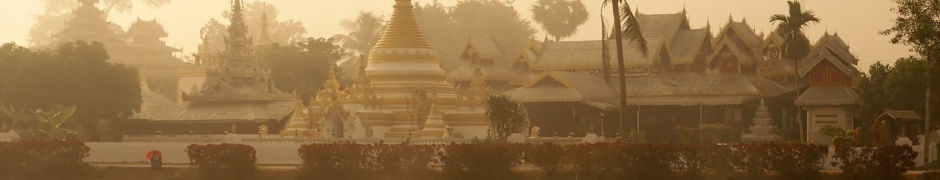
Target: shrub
[[597, 161], [797, 161], [223, 161], [481, 160], [36, 159], [404, 160], [549, 157], [882, 162], [333, 161], [649, 161]]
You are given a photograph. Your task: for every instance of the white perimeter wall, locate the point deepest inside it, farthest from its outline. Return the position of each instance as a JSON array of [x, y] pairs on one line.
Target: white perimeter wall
[[128, 152]]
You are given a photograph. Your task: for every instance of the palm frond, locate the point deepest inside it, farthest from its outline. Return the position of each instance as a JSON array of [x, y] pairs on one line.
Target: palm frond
[[631, 30], [809, 17]]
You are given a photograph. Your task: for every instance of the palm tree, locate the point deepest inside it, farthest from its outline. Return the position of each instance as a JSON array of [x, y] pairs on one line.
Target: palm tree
[[560, 18], [796, 45], [629, 30], [364, 33]]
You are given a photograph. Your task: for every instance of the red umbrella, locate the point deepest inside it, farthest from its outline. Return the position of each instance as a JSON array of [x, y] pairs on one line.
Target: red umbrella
[[153, 153]]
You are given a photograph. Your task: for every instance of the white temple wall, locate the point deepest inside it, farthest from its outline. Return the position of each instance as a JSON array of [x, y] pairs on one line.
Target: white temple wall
[[819, 117]]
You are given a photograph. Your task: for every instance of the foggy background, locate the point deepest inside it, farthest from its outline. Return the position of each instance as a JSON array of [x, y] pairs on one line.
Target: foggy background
[[856, 21]]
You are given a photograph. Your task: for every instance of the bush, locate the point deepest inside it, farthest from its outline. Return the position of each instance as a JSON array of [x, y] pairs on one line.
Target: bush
[[549, 157], [882, 162], [481, 160], [333, 161], [596, 161], [404, 160], [223, 161], [43, 160], [649, 161]]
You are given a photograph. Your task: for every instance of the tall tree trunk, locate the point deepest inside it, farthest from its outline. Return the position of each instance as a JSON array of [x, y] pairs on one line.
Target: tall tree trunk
[[623, 87]]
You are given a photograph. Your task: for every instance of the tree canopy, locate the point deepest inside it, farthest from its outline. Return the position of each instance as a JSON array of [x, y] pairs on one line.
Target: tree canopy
[[75, 73], [560, 18], [795, 46], [302, 67], [897, 87], [917, 25]]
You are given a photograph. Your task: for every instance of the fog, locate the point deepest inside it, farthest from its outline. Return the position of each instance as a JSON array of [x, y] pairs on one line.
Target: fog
[[856, 21]]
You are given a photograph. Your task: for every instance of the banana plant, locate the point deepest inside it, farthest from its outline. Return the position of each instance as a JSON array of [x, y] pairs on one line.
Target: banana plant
[[50, 123]]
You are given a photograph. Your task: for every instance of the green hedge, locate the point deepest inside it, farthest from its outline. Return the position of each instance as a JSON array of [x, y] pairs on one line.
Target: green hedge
[[223, 161], [43, 160]]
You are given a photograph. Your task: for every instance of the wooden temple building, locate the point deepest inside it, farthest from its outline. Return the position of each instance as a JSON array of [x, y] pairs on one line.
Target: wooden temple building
[[690, 77]]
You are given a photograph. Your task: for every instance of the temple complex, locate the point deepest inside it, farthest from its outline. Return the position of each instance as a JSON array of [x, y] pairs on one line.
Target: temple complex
[[238, 96], [401, 93]]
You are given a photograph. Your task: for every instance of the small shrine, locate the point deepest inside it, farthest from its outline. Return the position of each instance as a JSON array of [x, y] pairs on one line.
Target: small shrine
[[762, 130]]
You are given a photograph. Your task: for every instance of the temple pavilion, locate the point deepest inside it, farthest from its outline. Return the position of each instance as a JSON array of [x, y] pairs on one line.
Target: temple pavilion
[[238, 95], [400, 92]]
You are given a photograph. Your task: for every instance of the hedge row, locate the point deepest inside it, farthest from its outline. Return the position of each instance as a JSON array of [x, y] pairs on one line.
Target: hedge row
[[223, 161], [43, 160], [604, 160]]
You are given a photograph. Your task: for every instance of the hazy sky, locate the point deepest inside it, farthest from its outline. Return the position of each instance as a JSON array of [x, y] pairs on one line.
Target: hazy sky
[[856, 21]]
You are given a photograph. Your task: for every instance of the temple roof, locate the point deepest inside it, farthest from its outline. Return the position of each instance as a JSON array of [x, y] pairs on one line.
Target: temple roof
[[661, 26], [587, 55], [485, 48], [687, 44], [833, 49], [900, 114], [402, 30], [673, 88], [828, 96], [556, 86], [258, 111]]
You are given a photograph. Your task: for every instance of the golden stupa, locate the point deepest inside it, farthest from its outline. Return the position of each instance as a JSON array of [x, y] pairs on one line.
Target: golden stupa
[[401, 93]]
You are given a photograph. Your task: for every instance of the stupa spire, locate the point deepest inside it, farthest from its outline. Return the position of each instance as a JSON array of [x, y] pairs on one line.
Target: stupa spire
[[265, 37], [403, 30]]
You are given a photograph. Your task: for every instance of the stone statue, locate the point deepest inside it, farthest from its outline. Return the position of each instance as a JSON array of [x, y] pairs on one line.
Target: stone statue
[[263, 130], [535, 132]]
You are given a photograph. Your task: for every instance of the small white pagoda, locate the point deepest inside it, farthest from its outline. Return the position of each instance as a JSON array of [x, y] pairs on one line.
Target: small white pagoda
[[762, 130]]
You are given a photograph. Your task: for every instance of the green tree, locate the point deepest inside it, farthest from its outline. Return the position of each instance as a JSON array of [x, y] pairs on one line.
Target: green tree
[[76, 73], [506, 115], [905, 85], [560, 18], [795, 46], [917, 26], [492, 18], [302, 67], [872, 93], [442, 32], [628, 29]]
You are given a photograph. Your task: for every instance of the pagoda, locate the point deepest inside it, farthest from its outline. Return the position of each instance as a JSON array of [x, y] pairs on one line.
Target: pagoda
[[237, 96], [402, 93]]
